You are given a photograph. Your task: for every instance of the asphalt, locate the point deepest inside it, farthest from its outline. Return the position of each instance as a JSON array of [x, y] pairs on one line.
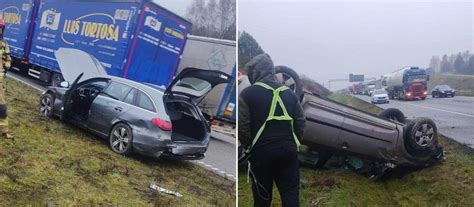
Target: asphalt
[[220, 157], [454, 117]]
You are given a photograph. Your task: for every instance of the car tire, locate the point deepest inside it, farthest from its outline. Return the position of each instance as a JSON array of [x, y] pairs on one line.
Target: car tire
[[46, 105], [120, 139], [298, 85], [393, 114], [421, 137]]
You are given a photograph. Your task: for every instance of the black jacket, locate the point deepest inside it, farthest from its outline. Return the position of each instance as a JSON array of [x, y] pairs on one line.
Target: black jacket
[[254, 106]]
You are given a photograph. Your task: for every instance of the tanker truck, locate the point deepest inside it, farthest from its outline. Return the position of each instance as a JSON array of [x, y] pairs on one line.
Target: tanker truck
[[408, 83]]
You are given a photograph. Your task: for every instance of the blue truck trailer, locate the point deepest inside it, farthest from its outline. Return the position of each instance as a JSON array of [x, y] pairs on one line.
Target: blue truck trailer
[[134, 39]]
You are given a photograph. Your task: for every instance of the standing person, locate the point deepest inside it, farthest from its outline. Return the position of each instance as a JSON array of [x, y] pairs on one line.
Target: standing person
[[5, 64], [270, 122]]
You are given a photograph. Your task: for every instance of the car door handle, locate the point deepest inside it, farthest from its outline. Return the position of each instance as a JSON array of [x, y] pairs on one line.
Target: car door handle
[[118, 108]]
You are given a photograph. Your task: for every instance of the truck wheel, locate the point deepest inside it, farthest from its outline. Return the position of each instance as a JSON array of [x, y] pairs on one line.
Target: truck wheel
[[393, 114], [290, 78], [421, 137], [56, 79]]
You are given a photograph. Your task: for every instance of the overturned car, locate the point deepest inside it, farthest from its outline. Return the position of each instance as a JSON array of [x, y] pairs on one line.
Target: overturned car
[[133, 116], [387, 140]]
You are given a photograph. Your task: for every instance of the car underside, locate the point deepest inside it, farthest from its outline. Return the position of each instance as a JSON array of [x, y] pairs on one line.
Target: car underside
[[385, 141]]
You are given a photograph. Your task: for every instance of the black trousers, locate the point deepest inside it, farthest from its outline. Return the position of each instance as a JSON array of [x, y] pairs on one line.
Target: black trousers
[[279, 165]]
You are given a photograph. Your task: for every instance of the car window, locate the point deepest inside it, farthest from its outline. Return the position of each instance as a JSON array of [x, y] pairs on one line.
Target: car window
[[130, 96], [444, 87], [117, 91], [144, 102], [379, 92]]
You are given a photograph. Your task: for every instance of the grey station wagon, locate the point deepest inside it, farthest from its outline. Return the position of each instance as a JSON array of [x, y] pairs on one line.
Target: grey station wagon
[[145, 118]]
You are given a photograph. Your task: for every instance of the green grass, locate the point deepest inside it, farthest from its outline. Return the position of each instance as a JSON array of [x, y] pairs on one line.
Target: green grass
[[463, 84], [51, 162], [450, 183]]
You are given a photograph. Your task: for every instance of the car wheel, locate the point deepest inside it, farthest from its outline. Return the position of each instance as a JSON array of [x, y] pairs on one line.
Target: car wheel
[[290, 78], [421, 137], [393, 114], [120, 139], [46, 105]]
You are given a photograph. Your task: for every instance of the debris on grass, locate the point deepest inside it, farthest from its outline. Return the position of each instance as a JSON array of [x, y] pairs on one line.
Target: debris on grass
[[164, 190]]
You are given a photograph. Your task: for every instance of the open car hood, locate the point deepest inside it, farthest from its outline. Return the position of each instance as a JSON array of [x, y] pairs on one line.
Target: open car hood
[[196, 83], [73, 62]]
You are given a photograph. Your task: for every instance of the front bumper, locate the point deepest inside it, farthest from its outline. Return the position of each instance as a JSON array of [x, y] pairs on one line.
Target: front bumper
[[380, 100]]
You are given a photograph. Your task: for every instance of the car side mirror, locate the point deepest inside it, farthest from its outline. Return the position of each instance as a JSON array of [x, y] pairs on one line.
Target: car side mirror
[[64, 84]]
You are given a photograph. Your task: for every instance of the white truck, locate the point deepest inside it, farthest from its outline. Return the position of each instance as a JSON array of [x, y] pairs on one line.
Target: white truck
[[213, 54]]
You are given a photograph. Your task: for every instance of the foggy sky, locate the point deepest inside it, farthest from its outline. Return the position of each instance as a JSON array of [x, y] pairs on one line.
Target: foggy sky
[[177, 6], [328, 40]]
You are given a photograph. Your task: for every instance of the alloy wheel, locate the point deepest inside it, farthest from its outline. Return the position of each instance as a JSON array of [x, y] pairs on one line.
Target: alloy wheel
[[46, 106], [424, 135], [120, 139]]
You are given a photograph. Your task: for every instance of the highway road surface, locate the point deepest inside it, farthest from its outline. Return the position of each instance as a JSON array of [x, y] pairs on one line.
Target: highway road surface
[[220, 156], [454, 117]]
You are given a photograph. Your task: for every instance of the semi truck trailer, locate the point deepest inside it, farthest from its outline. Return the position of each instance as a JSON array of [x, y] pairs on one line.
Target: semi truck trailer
[[408, 83], [214, 54], [133, 39]]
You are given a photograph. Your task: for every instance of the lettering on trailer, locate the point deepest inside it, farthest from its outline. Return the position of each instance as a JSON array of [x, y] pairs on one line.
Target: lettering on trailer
[[11, 15], [170, 32], [95, 30]]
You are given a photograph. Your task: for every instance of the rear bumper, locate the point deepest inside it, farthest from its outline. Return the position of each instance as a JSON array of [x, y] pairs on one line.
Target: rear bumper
[[175, 150]]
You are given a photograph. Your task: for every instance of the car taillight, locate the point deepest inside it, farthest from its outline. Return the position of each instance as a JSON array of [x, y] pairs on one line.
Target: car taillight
[[162, 124]]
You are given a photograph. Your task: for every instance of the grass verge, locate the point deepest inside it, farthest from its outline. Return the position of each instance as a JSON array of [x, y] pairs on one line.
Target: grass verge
[[450, 183], [463, 84], [51, 162]]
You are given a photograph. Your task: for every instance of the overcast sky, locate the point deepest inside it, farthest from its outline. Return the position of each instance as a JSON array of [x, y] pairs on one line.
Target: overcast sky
[[177, 6], [328, 40]]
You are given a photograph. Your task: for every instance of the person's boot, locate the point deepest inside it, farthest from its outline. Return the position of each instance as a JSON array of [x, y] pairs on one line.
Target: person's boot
[[8, 136]]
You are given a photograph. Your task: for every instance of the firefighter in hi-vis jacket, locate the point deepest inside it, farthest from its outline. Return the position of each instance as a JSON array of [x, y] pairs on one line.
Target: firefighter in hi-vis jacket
[[5, 64]]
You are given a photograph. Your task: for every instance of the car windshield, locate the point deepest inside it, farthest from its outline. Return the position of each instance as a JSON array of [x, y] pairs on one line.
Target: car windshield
[[444, 87], [379, 92], [415, 78]]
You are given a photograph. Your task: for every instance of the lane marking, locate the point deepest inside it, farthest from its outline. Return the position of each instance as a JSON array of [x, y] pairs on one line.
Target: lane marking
[[26, 83], [429, 107]]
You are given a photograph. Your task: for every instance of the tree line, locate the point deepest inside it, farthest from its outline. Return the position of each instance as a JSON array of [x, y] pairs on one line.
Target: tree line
[[213, 18], [460, 63]]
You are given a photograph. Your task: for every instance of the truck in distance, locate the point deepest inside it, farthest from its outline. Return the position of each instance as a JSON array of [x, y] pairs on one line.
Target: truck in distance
[[408, 83]]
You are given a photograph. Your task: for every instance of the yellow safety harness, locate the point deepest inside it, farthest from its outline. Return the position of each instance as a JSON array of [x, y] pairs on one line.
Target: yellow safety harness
[[271, 115]]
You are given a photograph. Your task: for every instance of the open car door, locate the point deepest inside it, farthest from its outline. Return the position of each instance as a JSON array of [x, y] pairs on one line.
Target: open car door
[[76, 65], [196, 83]]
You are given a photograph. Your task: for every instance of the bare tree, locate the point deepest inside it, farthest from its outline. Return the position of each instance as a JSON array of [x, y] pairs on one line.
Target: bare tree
[[216, 18]]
